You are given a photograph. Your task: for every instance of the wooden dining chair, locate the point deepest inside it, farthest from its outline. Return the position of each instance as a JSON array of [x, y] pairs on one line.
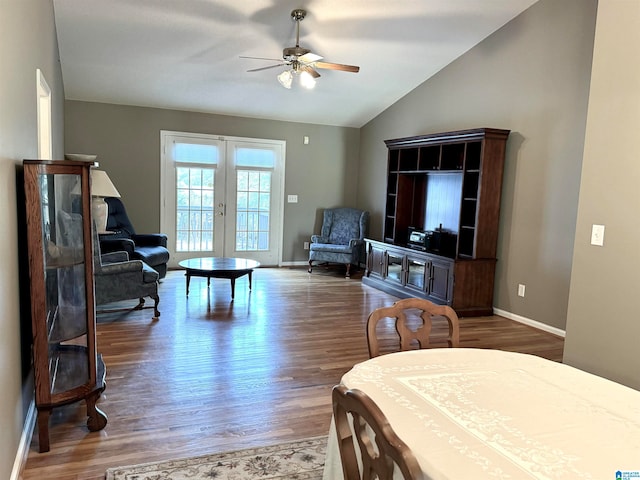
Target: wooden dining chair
[[421, 334], [360, 421]]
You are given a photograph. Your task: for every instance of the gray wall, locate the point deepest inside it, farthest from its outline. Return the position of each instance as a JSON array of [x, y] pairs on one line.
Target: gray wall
[[27, 41], [603, 330], [532, 77], [127, 142]]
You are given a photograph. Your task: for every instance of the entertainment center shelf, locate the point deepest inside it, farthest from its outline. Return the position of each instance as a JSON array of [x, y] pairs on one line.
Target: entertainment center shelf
[[447, 186]]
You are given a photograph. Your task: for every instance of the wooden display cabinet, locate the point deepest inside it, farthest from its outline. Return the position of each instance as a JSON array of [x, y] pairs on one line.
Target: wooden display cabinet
[[449, 183], [66, 364]]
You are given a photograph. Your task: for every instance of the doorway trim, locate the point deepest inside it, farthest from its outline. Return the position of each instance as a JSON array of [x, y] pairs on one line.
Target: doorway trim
[[45, 142]]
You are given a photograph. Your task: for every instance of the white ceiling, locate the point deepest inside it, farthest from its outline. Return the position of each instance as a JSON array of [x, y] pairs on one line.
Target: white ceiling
[[184, 54]]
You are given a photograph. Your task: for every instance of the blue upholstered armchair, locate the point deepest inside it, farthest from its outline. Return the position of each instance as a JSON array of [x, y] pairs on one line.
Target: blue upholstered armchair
[[151, 248], [341, 239]]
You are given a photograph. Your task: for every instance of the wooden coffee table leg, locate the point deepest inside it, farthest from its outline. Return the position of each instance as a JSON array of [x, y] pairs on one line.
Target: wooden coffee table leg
[[233, 287], [250, 272], [188, 275]]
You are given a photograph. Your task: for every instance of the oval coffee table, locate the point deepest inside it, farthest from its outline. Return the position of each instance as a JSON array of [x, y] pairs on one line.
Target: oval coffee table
[[219, 267]]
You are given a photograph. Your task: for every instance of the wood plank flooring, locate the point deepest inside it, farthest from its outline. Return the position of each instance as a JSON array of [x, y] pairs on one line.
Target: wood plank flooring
[[214, 374]]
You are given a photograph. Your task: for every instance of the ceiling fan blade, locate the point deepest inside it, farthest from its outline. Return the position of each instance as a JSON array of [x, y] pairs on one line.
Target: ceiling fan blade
[[338, 66], [311, 71], [262, 58], [309, 58], [267, 68]]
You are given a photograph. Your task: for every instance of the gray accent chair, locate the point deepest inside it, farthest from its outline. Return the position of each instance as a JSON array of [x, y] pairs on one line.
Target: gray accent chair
[[341, 238], [119, 278]]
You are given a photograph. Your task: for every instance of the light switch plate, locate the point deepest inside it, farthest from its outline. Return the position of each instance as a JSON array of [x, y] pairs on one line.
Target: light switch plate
[[597, 235], [292, 198]]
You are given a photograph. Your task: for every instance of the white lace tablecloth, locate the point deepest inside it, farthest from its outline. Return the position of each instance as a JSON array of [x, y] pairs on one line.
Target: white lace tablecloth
[[483, 414]]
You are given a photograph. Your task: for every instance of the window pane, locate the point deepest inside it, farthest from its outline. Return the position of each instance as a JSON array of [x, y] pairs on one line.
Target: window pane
[[263, 222], [242, 200], [265, 200], [207, 179], [195, 178], [241, 221], [255, 157], [243, 180], [182, 198], [254, 182], [254, 197], [241, 241], [195, 199], [182, 177], [263, 241], [196, 153]]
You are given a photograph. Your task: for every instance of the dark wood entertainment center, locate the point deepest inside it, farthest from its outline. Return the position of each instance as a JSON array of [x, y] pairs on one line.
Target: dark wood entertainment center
[[447, 187]]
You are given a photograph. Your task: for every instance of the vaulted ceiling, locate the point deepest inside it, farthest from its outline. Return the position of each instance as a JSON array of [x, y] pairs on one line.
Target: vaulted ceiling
[[185, 54]]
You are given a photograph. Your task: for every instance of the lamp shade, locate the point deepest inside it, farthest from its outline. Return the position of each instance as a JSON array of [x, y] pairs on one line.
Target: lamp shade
[[285, 79], [101, 185]]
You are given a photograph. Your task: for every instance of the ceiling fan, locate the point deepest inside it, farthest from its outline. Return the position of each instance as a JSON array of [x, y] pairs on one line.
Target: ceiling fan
[[302, 61]]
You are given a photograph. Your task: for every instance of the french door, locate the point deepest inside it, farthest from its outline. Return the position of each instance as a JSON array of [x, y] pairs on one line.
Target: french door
[[222, 196]]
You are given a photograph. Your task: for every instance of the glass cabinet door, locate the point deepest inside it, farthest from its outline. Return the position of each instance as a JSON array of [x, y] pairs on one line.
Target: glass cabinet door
[[65, 282], [394, 267], [416, 270]]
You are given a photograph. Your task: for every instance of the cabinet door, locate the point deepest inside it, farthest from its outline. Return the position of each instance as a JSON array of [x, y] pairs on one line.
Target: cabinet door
[[440, 285], [416, 273], [375, 262], [395, 270]]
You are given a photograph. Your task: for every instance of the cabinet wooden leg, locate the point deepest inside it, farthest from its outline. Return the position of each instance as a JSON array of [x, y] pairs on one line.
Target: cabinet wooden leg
[[97, 419], [43, 429]]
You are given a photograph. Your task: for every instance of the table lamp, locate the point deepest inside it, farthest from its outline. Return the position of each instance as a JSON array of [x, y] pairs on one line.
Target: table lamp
[[101, 186]]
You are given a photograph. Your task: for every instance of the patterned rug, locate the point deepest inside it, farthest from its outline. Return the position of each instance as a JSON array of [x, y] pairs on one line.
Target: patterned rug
[[299, 460]]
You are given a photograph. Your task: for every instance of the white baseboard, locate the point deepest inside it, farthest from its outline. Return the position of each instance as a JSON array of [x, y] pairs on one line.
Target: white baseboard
[[531, 323], [295, 264], [25, 442]]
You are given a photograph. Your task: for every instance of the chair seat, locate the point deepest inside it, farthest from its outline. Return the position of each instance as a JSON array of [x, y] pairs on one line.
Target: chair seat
[[151, 255], [330, 247]]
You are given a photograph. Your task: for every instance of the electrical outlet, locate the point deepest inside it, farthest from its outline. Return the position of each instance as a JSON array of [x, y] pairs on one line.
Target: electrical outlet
[[521, 290], [306, 245]]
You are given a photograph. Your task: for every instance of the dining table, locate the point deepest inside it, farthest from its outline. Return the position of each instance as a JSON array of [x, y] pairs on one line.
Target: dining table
[[470, 413]]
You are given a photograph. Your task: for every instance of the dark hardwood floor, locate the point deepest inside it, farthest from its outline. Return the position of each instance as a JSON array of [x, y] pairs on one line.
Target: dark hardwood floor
[[214, 374]]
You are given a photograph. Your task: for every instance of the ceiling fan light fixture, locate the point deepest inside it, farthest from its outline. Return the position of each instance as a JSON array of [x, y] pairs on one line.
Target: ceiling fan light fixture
[[285, 79], [306, 80], [302, 62]]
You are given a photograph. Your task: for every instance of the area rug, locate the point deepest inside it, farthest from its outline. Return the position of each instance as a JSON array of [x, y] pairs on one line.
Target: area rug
[[299, 460]]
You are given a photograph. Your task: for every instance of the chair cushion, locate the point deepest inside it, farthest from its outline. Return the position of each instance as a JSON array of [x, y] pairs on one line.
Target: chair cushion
[[330, 247], [151, 255]]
